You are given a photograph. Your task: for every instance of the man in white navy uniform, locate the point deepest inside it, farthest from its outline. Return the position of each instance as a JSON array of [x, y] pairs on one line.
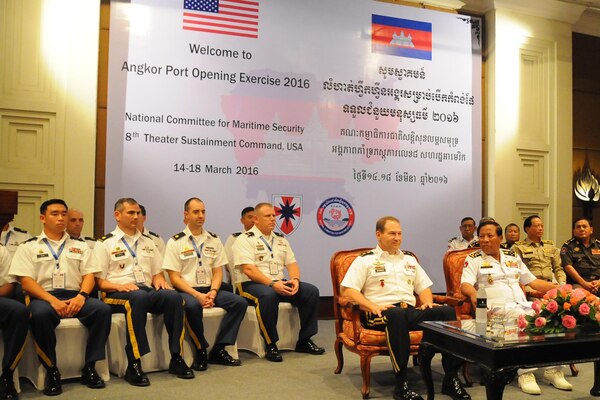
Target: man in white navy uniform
[[501, 272], [467, 235], [262, 256], [57, 273], [75, 223], [133, 283], [158, 241], [247, 220], [14, 322], [194, 260], [11, 237], [383, 282]]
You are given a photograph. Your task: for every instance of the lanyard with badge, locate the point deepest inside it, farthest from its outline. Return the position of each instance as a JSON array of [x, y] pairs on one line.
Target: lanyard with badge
[[138, 272], [200, 272], [6, 239], [58, 276], [273, 267]]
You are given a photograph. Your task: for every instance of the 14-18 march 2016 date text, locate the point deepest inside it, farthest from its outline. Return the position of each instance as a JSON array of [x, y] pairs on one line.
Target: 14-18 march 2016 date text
[[214, 169]]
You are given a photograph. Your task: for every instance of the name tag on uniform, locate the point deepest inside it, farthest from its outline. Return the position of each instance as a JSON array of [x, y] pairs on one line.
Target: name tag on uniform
[[273, 267], [486, 265], [58, 279], [595, 252], [200, 276], [138, 274]]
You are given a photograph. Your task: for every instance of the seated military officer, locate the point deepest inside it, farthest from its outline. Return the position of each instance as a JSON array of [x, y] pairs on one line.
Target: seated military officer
[[194, 260], [57, 273], [580, 256], [247, 220], [384, 282], [501, 272], [75, 222], [14, 322], [134, 284], [262, 256], [467, 235], [540, 256], [11, 237], [512, 234]]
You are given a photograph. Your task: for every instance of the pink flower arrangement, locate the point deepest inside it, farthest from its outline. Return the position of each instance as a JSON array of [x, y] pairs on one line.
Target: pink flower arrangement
[[561, 309]]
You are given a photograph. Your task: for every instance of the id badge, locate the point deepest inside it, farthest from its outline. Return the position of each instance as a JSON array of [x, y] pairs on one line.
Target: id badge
[[138, 273], [200, 276], [58, 279], [273, 267]]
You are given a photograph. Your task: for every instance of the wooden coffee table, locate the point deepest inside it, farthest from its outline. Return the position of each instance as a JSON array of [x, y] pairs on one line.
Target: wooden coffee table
[[500, 357]]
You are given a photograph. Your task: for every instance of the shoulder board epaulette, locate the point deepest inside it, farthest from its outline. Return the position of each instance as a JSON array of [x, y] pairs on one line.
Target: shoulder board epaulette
[[178, 236], [518, 243], [508, 252], [79, 239], [236, 234], [107, 236], [451, 239], [249, 234], [148, 236], [568, 242], [367, 253], [20, 230], [473, 244], [278, 234], [475, 254], [212, 234], [89, 238], [31, 239], [409, 253], [550, 242], [597, 241], [154, 234]]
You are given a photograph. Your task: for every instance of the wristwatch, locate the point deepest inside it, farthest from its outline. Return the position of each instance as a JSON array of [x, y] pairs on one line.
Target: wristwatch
[[84, 294]]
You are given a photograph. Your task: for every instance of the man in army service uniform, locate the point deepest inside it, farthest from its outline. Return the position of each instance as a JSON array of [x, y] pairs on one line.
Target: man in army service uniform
[[541, 256], [194, 260], [133, 283], [262, 256], [580, 256]]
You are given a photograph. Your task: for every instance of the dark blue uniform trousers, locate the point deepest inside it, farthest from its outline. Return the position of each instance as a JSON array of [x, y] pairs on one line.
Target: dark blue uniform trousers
[[136, 305], [14, 322], [230, 325], [398, 321], [266, 301], [94, 315]]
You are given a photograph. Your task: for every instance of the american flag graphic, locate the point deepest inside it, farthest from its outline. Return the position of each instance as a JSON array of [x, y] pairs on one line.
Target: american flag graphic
[[223, 17]]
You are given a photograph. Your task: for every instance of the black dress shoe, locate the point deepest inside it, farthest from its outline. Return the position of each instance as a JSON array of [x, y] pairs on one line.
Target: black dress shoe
[[53, 386], [595, 391], [403, 392], [221, 356], [179, 368], [308, 346], [453, 387], [7, 386], [90, 377], [272, 353], [200, 361], [135, 375]]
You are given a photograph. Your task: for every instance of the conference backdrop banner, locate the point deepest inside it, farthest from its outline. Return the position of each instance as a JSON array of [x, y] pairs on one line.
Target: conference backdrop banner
[[336, 111]]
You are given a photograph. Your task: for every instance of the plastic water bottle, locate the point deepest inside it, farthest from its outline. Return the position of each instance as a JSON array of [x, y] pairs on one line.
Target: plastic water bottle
[[481, 310]]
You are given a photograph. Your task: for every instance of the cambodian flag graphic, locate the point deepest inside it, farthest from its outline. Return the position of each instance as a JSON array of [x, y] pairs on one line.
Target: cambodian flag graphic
[[401, 37]]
